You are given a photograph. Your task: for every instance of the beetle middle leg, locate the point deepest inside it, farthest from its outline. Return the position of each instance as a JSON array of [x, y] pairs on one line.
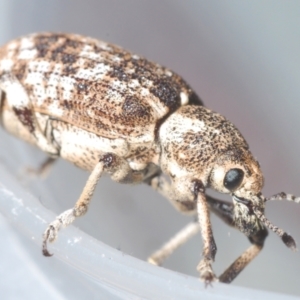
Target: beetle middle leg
[[80, 208], [159, 256], [119, 170]]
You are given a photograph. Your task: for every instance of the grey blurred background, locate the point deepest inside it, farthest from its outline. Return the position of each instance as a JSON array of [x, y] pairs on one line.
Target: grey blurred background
[[242, 58]]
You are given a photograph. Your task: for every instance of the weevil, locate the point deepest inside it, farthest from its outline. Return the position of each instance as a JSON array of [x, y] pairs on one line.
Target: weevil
[[109, 111]]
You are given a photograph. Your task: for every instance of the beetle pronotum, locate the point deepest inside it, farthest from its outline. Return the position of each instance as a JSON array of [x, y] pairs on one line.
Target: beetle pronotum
[[107, 110]]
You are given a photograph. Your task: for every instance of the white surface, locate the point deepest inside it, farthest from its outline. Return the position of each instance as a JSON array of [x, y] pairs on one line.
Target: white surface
[[242, 58]]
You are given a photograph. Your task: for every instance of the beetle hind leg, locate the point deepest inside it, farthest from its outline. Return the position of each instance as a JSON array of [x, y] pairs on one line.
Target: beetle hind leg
[[159, 256], [161, 184]]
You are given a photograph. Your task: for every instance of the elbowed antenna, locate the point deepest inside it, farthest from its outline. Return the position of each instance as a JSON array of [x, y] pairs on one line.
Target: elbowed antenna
[[283, 196], [286, 238]]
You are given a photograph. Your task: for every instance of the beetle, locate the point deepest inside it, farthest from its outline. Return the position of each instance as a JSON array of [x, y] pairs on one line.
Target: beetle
[[109, 111]]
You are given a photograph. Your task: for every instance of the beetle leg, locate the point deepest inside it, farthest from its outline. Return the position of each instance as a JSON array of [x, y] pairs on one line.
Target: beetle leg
[[119, 170], [224, 210], [2, 98], [159, 256], [242, 261], [209, 245], [80, 208], [161, 184], [43, 169]]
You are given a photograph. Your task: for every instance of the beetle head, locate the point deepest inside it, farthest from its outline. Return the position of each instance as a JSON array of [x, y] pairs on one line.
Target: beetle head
[[240, 175]]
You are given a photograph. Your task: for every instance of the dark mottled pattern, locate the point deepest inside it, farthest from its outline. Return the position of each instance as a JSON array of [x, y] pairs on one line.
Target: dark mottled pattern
[[198, 187], [128, 100], [108, 159], [132, 107], [26, 117], [167, 92], [201, 148]]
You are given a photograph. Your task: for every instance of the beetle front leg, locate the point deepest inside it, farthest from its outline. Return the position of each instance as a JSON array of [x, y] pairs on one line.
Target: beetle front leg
[[160, 184], [209, 245]]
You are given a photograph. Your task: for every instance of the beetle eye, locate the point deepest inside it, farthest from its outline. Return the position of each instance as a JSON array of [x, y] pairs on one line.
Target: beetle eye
[[233, 179]]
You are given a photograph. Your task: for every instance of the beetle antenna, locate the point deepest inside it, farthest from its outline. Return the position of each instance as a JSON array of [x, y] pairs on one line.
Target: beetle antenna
[[286, 238], [284, 196]]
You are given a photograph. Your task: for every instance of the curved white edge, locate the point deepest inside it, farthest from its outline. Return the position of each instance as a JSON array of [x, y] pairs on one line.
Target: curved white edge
[[100, 268]]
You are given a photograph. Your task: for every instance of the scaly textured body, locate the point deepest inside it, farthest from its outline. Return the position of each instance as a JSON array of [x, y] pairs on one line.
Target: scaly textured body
[[94, 86], [107, 110]]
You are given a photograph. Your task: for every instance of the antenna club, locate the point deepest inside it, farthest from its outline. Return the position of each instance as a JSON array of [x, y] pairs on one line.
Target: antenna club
[[289, 241]]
